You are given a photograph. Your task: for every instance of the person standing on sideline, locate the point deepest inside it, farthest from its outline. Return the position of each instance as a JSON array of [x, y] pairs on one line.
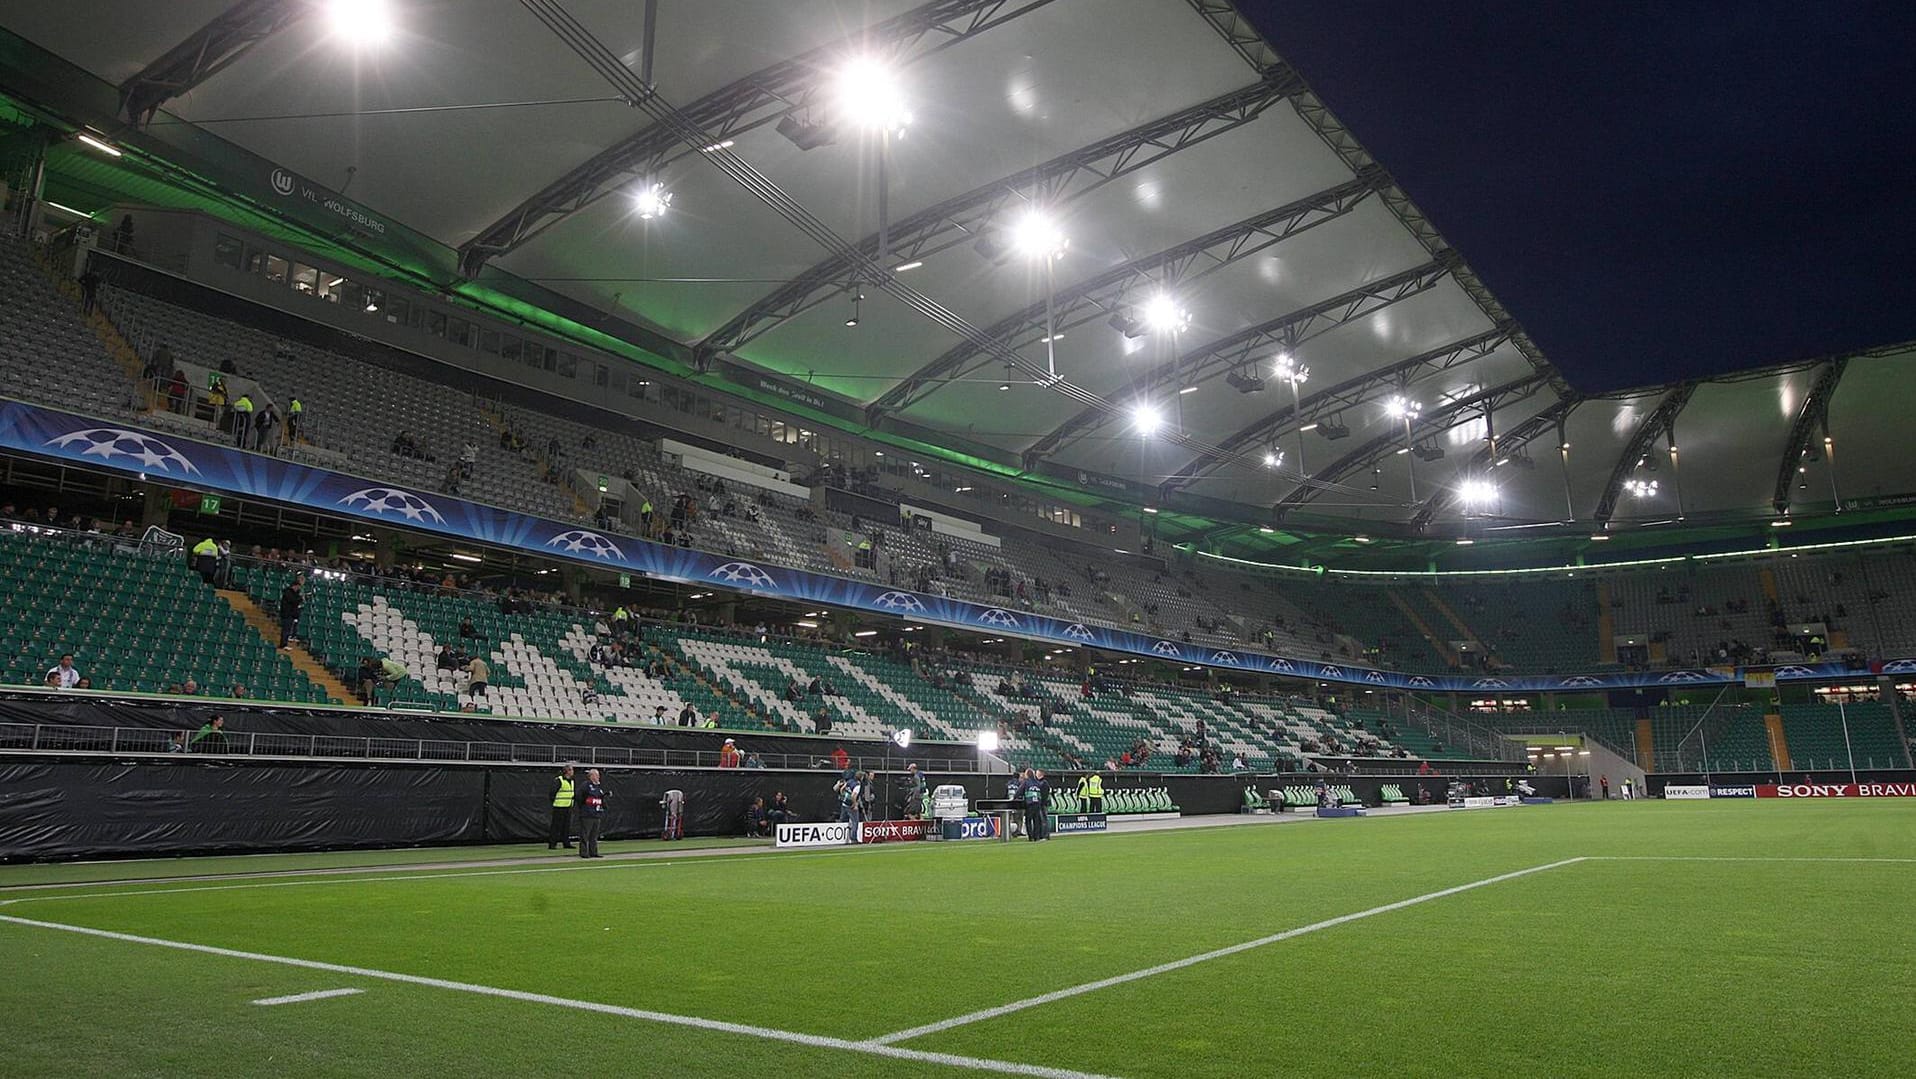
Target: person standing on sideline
[[564, 792], [1091, 793], [290, 601], [674, 805], [591, 814], [1604, 780], [1031, 798], [913, 782]]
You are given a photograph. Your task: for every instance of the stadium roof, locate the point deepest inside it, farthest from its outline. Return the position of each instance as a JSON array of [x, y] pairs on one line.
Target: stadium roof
[[1165, 138]]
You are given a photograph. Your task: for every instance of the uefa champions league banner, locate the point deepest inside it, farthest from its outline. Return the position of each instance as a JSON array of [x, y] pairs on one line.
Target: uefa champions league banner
[[167, 458]]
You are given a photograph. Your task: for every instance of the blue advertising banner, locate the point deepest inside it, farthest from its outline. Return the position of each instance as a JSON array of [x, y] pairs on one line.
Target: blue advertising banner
[[183, 462]]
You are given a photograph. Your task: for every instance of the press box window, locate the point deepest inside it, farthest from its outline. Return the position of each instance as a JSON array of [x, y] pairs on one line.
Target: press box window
[[305, 278], [227, 250], [331, 286]]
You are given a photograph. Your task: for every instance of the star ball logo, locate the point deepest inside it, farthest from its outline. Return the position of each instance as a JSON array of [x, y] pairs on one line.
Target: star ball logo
[[579, 541], [383, 501], [111, 443], [743, 573]]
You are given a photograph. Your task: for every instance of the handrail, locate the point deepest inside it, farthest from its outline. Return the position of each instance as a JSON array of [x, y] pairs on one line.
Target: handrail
[[65, 738]]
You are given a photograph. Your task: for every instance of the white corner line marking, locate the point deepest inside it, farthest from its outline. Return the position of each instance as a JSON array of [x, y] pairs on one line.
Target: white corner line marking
[[820, 1041], [301, 998], [1180, 964]]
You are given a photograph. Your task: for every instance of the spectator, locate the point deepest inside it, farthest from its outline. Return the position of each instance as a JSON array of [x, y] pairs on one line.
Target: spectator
[[377, 671], [780, 811], [63, 675], [445, 660], [658, 715], [290, 602], [479, 675], [190, 688], [210, 738], [729, 756], [752, 760], [243, 421], [758, 822], [89, 290], [841, 760], [688, 716]]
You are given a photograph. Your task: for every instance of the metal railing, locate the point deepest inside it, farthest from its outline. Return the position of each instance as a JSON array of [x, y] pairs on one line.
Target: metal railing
[[64, 738]]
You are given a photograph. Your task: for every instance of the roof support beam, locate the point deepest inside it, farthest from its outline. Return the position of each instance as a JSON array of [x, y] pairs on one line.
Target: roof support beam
[[205, 53], [1349, 393], [1657, 423], [1287, 331], [963, 218], [763, 97], [1229, 22], [1104, 294], [1814, 411], [1388, 442], [1487, 457]]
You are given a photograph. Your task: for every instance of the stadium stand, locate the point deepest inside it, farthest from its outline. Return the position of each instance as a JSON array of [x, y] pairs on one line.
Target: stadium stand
[[134, 622]]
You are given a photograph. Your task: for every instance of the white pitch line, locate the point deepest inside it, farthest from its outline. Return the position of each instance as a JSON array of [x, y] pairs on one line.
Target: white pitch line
[[1743, 858], [449, 873], [301, 998], [820, 1041], [1189, 961]]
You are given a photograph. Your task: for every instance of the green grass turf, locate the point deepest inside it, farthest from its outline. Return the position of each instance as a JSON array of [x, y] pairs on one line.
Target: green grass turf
[[1598, 968], [148, 868]]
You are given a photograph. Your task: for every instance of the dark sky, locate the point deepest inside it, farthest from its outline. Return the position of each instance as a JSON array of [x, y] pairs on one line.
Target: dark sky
[[1655, 190]]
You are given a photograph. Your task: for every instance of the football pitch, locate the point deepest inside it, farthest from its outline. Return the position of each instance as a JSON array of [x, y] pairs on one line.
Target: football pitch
[[1704, 938]]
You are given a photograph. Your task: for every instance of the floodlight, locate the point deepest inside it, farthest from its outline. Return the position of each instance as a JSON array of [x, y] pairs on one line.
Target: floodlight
[[988, 741], [1036, 236], [99, 144], [651, 200], [360, 22], [1477, 492], [1163, 315], [1640, 488], [867, 94], [902, 738], [1273, 458], [1400, 407], [1147, 418], [1288, 370]]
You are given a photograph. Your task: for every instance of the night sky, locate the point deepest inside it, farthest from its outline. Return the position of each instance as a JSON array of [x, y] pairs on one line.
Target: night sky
[[1655, 191]]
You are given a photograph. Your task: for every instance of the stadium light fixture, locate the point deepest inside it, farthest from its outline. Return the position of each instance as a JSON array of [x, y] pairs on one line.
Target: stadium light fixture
[[361, 22], [858, 304], [52, 205], [1399, 407], [1162, 314], [1477, 492], [902, 738], [1273, 458], [1147, 418], [988, 741], [1640, 488], [868, 95], [651, 200], [866, 633], [1036, 236], [99, 144], [912, 265]]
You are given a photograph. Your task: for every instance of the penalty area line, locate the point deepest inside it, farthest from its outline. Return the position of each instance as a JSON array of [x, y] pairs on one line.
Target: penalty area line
[[301, 998], [819, 1041], [1205, 957]]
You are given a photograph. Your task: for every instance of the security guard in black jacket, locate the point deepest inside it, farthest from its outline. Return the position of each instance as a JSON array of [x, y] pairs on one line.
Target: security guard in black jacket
[[564, 794], [591, 814]]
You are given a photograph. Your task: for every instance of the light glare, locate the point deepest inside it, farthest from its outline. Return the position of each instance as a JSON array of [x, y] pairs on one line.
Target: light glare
[[869, 96], [1147, 419], [360, 22], [1162, 314], [1036, 236], [1477, 492], [651, 200]]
